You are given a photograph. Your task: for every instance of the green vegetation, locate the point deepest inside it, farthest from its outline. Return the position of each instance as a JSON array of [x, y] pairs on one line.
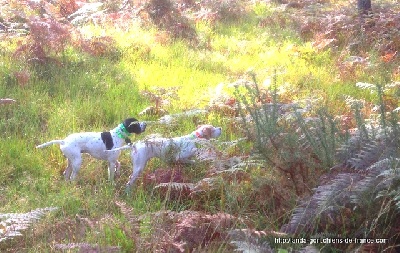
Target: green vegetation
[[240, 59]]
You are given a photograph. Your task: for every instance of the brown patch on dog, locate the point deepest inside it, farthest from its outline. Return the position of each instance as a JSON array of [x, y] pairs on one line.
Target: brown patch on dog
[[206, 132]]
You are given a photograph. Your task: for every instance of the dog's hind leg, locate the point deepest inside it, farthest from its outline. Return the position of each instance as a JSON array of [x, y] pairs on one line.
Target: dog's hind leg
[[113, 167], [76, 165], [138, 166], [74, 162], [68, 170]]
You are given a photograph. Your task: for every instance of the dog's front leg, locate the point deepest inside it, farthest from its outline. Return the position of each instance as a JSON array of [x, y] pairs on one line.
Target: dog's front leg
[[185, 157], [132, 179], [117, 168]]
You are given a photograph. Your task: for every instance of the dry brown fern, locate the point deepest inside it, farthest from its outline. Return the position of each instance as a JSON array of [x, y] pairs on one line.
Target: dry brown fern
[[13, 224], [247, 240], [174, 190], [86, 247], [167, 17], [6, 101], [187, 230], [47, 37]]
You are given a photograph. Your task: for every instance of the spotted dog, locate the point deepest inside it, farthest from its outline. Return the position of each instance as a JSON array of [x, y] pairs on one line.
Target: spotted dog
[[95, 144], [168, 149]]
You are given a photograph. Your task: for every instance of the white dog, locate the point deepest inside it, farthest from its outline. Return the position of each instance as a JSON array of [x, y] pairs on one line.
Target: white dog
[[95, 143], [178, 149]]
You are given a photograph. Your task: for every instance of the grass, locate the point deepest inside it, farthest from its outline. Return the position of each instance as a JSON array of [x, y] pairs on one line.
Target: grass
[[95, 93]]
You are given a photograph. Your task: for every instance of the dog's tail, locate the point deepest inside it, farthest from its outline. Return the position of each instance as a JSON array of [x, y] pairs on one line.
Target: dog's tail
[[127, 146], [50, 143]]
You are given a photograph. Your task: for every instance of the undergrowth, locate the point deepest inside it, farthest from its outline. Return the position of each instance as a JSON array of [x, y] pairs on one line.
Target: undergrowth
[[355, 165]]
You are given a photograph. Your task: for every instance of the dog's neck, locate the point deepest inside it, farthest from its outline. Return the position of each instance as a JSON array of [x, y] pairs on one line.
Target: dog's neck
[[120, 131], [194, 135]]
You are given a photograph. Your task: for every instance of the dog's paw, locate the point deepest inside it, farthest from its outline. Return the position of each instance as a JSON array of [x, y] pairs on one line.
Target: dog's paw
[[128, 191]]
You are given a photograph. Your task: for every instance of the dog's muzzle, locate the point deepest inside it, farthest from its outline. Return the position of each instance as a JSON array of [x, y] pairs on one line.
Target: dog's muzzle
[[143, 126]]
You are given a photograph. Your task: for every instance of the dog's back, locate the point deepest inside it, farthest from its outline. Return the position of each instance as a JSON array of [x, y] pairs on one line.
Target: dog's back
[[167, 149]]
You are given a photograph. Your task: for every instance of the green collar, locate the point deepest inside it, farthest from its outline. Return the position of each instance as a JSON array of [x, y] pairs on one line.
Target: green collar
[[122, 132]]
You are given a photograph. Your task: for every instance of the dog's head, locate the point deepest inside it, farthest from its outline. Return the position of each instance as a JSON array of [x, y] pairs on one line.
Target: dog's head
[[132, 125], [208, 131]]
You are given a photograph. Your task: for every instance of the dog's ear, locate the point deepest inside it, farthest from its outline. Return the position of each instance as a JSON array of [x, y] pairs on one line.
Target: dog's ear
[[207, 131], [128, 122], [132, 126]]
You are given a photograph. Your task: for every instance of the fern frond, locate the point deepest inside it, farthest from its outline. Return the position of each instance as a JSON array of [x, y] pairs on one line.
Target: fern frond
[[335, 195], [252, 161], [318, 135], [323, 235], [231, 170], [206, 185], [127, 212], [175, 186], [86, 247], [369, 154], [350, 148], [236, 164], [309, 249], [12, 224], [366, 86], [379, 180], [249, 241], [346, 190], [361, 151], [326, 202], [396, 197]]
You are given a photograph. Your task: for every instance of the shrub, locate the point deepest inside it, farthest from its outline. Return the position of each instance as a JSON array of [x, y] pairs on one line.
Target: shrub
[[299, 142], [67, 7], [47, 37], [165, 16], [100, 46], [227, 10], [359, 198]]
